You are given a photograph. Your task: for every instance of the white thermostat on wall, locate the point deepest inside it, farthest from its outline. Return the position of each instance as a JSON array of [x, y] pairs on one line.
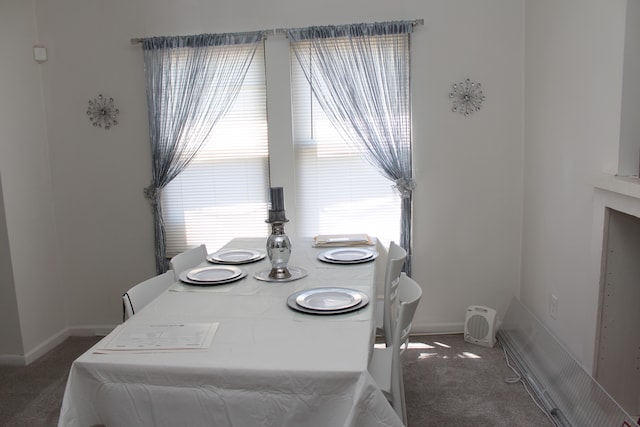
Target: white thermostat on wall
[[40, 54], [480, 325]]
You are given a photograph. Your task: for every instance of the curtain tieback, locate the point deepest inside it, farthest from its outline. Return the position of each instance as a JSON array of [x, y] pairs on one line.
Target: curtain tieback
[[405, 187], [150, 192]]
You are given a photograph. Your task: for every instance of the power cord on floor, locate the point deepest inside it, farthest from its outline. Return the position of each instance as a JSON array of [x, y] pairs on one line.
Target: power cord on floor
[[518, 379]]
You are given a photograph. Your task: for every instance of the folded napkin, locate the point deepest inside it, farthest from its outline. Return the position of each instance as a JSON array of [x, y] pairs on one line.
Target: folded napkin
[[337, 240]]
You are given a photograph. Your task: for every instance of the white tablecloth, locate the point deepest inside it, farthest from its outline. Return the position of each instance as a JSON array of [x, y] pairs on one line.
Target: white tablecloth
[[267, 365]]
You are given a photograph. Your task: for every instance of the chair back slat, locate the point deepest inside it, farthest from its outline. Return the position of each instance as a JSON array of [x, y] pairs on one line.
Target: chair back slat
[[395, 262], [188, 259], [144, 292]]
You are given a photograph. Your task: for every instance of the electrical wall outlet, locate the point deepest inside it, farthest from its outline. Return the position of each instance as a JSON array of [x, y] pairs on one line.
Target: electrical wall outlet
[[553, 306]]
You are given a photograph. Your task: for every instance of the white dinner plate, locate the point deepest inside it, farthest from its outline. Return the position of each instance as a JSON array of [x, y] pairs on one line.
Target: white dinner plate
[[348, 255], [236, 256], [212, 275], [328, 298], [293, 304]]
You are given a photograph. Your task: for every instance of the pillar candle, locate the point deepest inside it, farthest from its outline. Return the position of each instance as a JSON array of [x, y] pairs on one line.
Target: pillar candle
[[276, 197]]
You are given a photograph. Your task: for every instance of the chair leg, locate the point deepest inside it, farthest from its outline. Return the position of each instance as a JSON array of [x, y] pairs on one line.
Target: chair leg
[[402, 400], [397, 392], [399, 405]]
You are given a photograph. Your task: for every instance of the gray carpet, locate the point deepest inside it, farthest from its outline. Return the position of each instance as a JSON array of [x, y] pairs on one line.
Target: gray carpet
[[31, 396], [448, 382]]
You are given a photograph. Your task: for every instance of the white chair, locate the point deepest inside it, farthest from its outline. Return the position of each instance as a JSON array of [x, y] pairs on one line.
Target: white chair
[[144, 292], [385, 365], [188, 259], [395, 261]]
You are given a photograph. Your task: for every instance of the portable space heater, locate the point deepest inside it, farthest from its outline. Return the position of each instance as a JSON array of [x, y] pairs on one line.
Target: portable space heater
[[480, 326]]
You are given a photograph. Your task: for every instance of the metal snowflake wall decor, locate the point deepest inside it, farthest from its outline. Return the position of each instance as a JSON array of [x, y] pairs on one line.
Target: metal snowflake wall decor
[[467, 97], [102, 112]]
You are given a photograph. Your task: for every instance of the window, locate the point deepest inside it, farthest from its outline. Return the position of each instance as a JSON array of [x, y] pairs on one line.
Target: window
[[337, 190], [222, 194]]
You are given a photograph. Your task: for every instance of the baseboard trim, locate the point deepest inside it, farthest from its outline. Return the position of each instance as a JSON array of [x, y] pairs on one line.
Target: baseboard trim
[[37, 352], [437, 328], [46, 346], [52, 342], [91, 330]]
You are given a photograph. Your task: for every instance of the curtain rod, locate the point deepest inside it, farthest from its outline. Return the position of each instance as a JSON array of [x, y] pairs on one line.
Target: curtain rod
[[139, 40], [415, 23]]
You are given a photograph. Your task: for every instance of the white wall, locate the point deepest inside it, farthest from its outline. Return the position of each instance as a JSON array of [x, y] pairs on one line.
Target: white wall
[[11, 343], [573, 82], [27, 191], [467, 208], [629, 152], [468, 170]]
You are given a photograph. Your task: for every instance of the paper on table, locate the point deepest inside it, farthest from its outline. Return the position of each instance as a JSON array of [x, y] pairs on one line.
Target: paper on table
[[190, 336], [331, 240]]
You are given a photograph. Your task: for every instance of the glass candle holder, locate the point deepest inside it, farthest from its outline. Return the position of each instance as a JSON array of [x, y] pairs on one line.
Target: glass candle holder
[[278, 250]]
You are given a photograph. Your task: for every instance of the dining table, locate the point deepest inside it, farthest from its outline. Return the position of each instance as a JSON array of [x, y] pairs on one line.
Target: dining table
[[252, 359]]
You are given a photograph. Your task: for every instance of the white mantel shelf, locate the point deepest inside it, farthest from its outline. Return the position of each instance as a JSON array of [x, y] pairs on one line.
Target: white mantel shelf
[[625, 185]]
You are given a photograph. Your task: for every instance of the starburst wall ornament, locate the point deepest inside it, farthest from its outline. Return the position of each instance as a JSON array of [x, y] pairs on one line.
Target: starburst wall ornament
[[102, 113], [467, 97]]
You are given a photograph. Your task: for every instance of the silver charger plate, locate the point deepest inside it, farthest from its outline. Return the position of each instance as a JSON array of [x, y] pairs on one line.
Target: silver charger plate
[[329, 298], [348, 255], [212, 275], [236, 256], [292, 303], [296, 273]]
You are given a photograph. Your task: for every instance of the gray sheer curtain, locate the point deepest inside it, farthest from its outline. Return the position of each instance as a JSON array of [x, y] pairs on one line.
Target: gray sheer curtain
[[191, 83], [360, 76]]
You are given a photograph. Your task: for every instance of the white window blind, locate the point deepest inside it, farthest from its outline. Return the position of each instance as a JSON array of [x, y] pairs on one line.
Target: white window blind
[[337, 190], [222, 194]]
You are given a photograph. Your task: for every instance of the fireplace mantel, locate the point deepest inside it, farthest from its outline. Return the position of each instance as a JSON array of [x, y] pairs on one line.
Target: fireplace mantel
[[611, 192]]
